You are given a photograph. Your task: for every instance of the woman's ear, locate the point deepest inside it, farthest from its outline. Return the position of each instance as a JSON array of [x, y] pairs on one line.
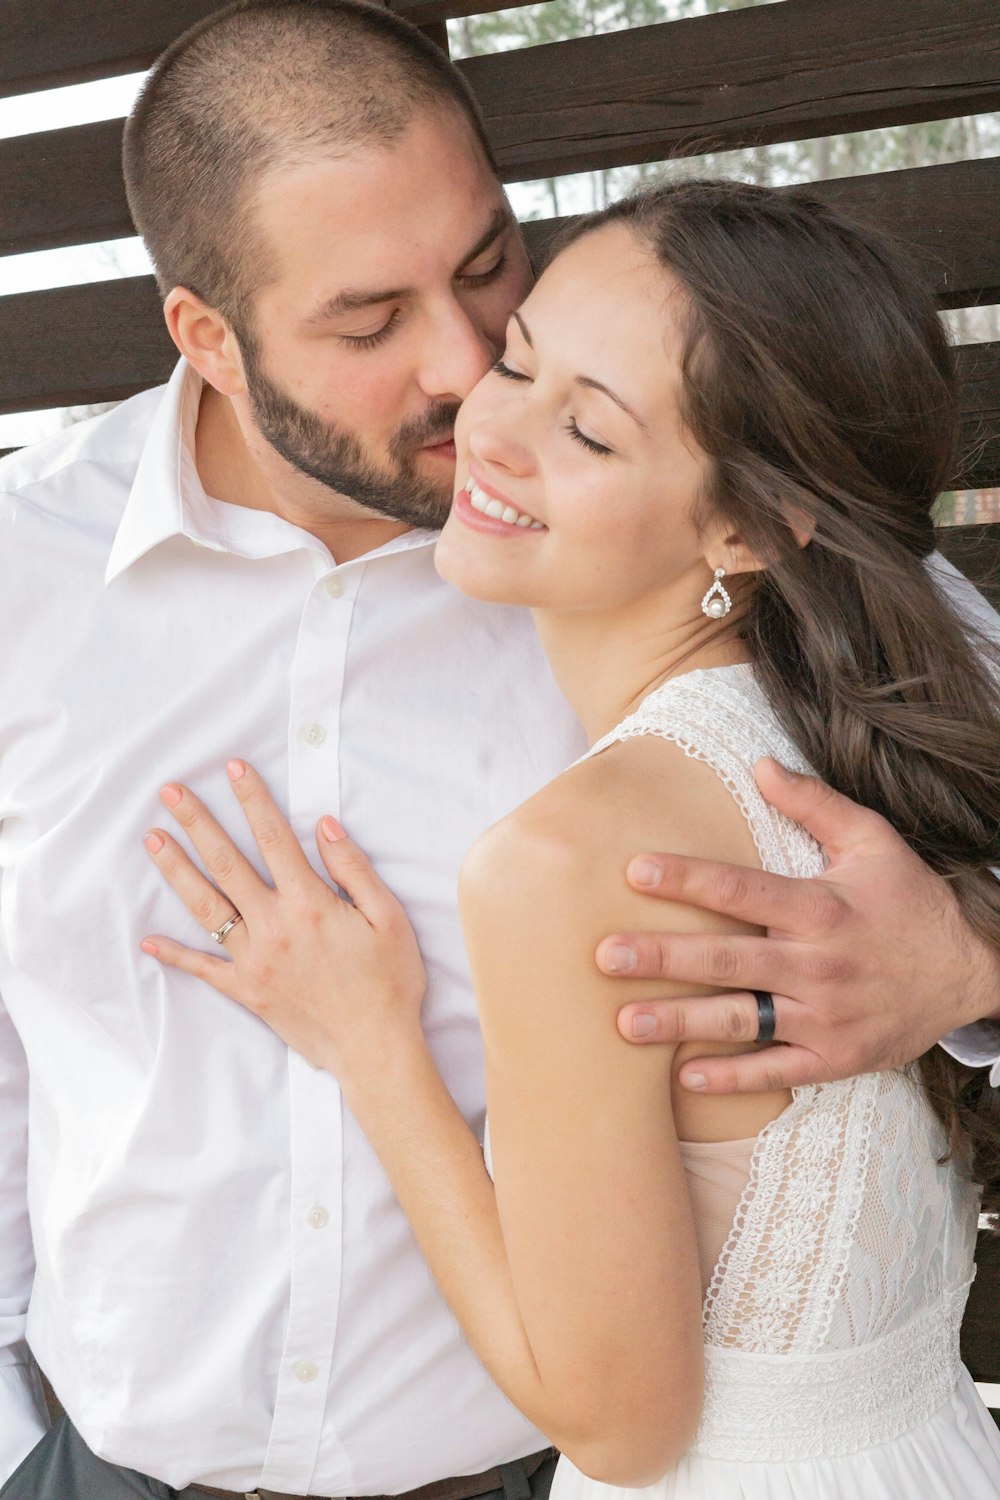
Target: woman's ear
[[730, 549], [205, 339]]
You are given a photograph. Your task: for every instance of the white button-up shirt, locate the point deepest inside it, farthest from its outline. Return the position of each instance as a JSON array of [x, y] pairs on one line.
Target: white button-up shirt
[[222, 1286], [200, 1247]]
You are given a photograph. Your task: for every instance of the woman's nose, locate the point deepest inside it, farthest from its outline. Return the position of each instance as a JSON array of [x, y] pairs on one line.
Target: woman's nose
[[498, 441]]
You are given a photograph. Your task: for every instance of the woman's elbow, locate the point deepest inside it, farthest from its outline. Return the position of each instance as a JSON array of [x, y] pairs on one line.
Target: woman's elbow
[[635, 1454]]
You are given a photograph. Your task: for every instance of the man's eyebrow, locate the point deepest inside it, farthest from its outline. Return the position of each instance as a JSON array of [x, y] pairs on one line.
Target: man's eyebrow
[[353, 299], [500, 221], [587, 380]]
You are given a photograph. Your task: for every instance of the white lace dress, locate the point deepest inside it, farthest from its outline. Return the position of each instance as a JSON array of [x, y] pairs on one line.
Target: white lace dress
[[832, 1318]]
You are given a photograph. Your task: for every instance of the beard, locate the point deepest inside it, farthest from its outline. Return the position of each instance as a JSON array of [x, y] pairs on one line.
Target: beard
[[337, 458]]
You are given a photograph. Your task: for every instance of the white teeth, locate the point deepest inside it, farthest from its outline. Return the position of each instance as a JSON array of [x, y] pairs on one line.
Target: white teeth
[[496, 509]]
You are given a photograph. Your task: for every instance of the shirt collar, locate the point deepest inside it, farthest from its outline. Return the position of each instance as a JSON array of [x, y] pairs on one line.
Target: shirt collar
[[167, 498]]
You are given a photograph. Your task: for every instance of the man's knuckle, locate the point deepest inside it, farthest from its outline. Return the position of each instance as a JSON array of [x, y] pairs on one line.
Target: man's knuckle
[[825, 970], [736, 1024], [824, 909], [721, 962], [732, 887]]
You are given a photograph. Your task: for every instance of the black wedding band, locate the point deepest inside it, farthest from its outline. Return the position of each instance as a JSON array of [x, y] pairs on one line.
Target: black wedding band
[[766, 1019]]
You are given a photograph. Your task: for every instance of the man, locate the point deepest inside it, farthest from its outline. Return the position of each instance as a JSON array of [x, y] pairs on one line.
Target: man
[[222, 1289]]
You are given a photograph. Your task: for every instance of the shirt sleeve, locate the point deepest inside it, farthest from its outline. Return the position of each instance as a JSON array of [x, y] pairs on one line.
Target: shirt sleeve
[[978, 1045], [23, 1418]]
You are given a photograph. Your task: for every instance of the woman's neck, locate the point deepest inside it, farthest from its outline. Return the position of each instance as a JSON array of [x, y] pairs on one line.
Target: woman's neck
[[605, 664]]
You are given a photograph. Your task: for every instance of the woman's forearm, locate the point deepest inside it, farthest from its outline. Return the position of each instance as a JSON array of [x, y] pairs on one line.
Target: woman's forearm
[[437, 1170]]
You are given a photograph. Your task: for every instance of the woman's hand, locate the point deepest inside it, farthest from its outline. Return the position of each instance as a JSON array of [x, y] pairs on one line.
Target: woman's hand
[[340, 983]]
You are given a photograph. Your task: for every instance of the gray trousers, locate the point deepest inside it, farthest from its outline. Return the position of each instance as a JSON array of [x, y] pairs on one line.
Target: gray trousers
[[62, 1467]]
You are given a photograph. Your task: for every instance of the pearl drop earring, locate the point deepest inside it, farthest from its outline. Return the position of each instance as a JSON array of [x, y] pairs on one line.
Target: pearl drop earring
[[717, 603]]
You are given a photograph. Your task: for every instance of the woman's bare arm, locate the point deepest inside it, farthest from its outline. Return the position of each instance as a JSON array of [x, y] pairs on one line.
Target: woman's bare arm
[[577, 1283]]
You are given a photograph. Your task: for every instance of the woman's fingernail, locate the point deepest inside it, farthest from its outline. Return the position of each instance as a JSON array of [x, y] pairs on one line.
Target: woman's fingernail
[[236, 769], [332, 830], [171, 794], [619, 958], [643, 1025], [150, 948], [644, 872], [153, 842], [693, 1080]]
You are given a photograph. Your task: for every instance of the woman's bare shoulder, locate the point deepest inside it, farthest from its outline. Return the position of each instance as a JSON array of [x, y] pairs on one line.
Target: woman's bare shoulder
[[640, 794]]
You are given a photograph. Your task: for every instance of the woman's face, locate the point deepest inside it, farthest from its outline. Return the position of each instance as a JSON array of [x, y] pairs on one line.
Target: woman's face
[[576, 437]]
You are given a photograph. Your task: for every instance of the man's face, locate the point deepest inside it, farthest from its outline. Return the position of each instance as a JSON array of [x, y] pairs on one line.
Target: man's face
[[397, 269]]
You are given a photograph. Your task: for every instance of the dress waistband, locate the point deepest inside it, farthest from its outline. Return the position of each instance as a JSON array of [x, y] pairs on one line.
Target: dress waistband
[[775, 1407]]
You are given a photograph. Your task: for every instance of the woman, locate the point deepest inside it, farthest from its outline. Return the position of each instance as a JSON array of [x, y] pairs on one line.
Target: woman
[[706, 461]]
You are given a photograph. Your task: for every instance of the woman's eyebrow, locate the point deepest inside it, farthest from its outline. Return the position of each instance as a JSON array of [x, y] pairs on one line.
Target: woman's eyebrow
[[587, 380]]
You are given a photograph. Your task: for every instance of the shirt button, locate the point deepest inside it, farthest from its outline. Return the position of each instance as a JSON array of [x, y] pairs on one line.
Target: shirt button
[[313, 734], [305, 1371], [335, 586], [318, 1217]]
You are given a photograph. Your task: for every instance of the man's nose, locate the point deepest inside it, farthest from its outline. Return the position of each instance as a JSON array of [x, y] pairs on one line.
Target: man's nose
[[456, 357]]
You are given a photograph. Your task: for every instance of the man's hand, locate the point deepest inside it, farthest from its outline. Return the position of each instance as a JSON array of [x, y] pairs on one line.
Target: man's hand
[[869, 965]]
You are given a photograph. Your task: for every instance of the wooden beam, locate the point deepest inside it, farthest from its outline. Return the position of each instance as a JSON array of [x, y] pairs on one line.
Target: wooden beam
[[975, 551], [981, 1324], [738, 78], [82, 344], [51, 42], [979, 373], [949, 217], [47, 43], [64, 187]]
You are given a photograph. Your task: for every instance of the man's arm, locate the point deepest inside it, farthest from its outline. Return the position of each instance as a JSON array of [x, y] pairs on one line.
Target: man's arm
[[869, 965], [23, 1418]]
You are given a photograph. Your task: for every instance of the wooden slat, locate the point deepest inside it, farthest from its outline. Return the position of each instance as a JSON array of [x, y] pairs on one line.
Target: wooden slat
[[64, 187], [979, 373], [45, 43], [80, 344], [426, 12], [975, 551], [950, 217], [738, 78], [981, 1325]]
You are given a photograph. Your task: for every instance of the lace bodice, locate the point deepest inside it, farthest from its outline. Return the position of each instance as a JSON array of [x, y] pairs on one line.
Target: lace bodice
[[831, 1322]]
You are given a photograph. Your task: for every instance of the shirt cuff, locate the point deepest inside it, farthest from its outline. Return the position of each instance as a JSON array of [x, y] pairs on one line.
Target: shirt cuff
[[23, 1418], [978, 1046]]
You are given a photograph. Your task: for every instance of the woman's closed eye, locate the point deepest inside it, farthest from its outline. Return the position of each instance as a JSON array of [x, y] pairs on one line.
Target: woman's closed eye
[[505, 370], [591, 444]]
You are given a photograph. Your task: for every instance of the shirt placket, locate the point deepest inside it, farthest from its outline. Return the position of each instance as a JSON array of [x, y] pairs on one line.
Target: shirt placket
[[316, 1125]]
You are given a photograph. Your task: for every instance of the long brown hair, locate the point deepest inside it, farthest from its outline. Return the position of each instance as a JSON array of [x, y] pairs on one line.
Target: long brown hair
[[819, 382]]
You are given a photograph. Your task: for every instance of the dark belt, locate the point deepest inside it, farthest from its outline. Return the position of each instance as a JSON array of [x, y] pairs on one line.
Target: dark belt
[[462, 1487]]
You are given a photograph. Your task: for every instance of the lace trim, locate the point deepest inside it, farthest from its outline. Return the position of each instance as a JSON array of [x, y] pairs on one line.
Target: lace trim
[[826, 1324], [768, 1408], [782, 1269]]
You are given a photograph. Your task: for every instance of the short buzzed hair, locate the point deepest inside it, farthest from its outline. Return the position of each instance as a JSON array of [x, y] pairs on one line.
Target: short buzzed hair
[[259, 85]]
